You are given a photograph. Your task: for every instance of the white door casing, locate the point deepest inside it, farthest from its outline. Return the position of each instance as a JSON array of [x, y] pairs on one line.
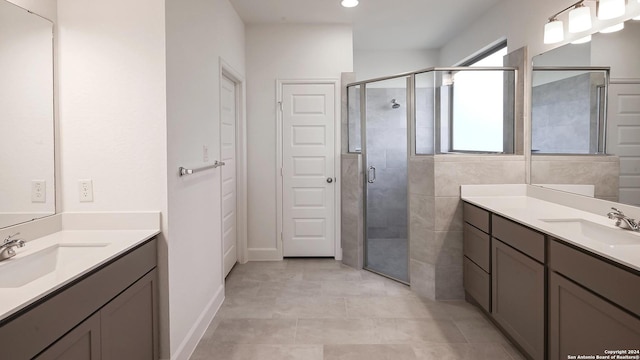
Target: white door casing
[[308, 113], [623, 137], [228, 121]]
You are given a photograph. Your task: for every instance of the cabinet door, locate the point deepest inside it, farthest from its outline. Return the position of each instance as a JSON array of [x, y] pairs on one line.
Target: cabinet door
[[82, 343], [128, 323], [581, 323], [518, 297]]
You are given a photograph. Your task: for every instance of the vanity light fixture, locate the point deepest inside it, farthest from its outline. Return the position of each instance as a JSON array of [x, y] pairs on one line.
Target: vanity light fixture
[[351, 3], [583, 40], [610, 9], [580, 19], [553, 31], [612, 29]]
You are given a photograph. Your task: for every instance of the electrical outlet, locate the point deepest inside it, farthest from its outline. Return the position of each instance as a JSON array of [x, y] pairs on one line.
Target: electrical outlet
[[38, 191], [205, 153], [86, 190]]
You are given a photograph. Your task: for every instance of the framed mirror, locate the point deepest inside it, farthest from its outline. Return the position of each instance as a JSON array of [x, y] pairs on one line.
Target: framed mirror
[[585, 116], [27, 189]]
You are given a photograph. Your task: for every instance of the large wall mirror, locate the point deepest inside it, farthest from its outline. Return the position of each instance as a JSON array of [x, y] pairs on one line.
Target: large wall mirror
[[585, 116], [27, 189]]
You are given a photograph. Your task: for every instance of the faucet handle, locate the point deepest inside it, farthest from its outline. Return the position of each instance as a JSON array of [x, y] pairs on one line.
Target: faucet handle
[[11, 237], [617, 211]]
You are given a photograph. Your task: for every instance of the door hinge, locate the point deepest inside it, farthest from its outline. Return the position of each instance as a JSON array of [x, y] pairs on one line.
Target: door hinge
[[280, 104], [281, 172]]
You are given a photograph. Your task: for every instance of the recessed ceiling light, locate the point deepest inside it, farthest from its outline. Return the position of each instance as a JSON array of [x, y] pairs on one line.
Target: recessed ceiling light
[[349, 3]]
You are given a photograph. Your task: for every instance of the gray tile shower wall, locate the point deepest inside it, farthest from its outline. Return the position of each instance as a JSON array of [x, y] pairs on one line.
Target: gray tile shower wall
[[436, 215], [352, 220], [387, 152], [560, 108]]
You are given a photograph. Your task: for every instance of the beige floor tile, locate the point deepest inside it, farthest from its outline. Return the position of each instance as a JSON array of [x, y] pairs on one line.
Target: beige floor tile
[[331, 275], [241, 287], [461, 310], [336, 331], [393, 307], [461, 352], [513, 352], [247, 308], [353, 288], [290, 288], [258, 352], [316, 264], [255, 331], [368, 352], [310, 307], [418, 331], [480, 330]]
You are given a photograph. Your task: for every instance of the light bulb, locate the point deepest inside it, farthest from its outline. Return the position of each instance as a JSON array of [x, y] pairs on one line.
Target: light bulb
[[613, 28], [609, 9], [583, 40], [579, 19], [349, 3], [553, 32]]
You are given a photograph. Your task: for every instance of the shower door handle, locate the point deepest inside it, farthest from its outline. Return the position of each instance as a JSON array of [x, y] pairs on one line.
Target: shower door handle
[[371, 176]]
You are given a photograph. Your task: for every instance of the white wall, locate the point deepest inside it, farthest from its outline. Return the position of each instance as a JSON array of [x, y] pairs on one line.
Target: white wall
[[620, 50], [199, 33], [522, 23], [369, 64], [45, 8], [281, 52], [112, 110]]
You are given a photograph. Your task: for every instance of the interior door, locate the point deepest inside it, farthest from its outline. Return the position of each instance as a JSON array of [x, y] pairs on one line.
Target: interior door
[[623, 137], [228, 123], [308, 183]]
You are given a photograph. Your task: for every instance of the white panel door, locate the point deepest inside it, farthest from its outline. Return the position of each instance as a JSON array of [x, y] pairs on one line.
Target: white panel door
[[228, 156], [623, 137], [308, 186]]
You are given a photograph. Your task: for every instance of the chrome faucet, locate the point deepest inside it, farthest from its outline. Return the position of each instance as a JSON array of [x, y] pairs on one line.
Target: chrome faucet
[[7, 248], [623, 221]]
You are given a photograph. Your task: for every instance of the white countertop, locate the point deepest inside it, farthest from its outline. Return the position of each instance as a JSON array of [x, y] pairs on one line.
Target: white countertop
[[89, 241], [517, 204]]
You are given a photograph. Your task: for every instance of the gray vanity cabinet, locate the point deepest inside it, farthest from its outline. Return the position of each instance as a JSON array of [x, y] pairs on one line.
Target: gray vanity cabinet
[[581, 322], [108, 314], [82, 343], [477, 258], [518, 284]]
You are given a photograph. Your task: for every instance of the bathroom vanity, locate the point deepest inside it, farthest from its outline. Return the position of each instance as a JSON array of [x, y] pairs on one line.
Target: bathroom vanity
[[87, 290], [557, 280]]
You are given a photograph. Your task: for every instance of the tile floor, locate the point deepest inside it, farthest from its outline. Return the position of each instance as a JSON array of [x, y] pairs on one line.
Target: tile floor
[[314, 309]]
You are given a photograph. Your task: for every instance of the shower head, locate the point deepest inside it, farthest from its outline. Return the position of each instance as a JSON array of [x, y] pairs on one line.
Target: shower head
[[394, 104]]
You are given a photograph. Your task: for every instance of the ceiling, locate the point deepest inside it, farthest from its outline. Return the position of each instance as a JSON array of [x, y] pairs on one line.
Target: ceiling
[[377, 24]]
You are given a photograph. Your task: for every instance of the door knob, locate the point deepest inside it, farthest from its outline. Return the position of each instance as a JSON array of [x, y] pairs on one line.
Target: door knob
[[329, 180]]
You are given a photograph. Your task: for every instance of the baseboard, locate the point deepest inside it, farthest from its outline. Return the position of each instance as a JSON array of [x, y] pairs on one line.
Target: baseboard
[[188, 346], [264, 255]]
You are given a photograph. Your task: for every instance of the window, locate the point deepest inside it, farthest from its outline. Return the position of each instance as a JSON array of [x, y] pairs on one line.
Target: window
[[477, 107]]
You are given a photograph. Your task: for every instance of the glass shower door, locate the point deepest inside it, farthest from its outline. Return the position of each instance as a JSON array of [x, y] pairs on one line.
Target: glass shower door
[[386, 193]]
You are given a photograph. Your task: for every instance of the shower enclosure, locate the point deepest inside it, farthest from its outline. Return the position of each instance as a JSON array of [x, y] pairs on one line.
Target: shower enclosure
[[419, 114]]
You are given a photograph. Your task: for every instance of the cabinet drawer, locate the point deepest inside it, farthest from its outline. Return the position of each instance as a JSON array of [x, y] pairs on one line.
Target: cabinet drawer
[[616, 284], [476, 217], [476, 246], [520, 237], [477, 283]]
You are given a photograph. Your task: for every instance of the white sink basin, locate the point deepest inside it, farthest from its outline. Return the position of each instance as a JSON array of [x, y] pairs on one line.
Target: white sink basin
[[19, 271], [611, 236]]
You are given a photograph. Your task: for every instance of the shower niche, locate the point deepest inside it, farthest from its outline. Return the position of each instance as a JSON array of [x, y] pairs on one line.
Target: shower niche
[[398, 128]]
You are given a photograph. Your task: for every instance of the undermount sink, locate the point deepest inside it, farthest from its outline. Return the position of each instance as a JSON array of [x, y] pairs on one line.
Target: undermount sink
[[612, 236], [17, 272]]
